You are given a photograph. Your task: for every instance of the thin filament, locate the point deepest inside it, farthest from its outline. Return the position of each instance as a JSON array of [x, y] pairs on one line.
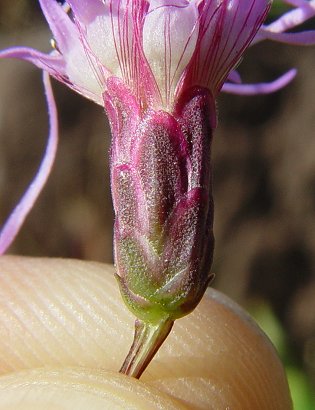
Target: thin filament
[[16, 219]]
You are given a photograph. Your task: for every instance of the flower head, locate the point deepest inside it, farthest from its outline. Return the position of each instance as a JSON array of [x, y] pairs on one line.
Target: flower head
[[157, 67], [157, 48]]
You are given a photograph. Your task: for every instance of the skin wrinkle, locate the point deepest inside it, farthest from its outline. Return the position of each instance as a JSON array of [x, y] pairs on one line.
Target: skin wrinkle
[[8, 315], [113, 301], [116, 390], [99, 330], [18, 313], [96, 316], [7, 363], [245, 364], [196, 390], [250, 349], [20, 359], [74, 308], [33, 307], [74, 314], [54, 319]]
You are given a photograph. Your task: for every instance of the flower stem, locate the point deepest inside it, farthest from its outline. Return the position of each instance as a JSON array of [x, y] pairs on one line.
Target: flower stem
[[147, 340]]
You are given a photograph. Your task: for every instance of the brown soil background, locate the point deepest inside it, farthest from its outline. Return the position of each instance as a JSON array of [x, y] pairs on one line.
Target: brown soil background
[[264, 176]]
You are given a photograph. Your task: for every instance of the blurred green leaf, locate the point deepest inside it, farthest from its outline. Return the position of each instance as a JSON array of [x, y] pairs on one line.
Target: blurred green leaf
[[302, 393], [278, 7], [266, 319]]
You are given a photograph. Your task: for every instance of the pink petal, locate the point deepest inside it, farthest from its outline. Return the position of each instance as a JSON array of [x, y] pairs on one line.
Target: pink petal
[[53, 63], [86, 10], [114, 38], [13, 224], [167, 48], [127, 21], [84, 76], [234, 77], [304, 11], [64, 30], [303, 38], [226, 29], [260, 88], [293, 18]]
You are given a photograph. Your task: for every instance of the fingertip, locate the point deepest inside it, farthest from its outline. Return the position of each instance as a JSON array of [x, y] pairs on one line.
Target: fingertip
[[59, 312], [80, 389], [65, 313]]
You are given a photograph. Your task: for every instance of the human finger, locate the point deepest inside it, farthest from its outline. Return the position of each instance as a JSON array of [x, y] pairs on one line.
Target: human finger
[[64, 313]]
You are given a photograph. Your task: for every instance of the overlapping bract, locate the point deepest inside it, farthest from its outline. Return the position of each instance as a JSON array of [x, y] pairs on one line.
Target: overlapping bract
[[161, 186]]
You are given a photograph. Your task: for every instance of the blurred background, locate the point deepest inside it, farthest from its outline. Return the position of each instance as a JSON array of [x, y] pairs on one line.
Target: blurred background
[[264, 185]]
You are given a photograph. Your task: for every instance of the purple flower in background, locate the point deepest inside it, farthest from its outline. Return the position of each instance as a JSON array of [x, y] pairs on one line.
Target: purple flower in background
[[157, 67]]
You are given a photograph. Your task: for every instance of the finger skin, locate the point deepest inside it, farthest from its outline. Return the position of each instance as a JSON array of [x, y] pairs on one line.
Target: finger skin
[[80, 389], [58, 313]]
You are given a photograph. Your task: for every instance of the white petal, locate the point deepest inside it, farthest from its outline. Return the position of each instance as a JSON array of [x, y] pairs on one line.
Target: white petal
[[82, 72], [169, 38], [103, 41]]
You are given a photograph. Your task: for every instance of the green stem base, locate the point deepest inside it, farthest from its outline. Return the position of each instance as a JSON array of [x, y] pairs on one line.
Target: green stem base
[[147, 340]]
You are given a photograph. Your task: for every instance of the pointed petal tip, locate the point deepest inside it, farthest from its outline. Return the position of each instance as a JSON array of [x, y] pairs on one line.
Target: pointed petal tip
[[52, 63], [261, 88]]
